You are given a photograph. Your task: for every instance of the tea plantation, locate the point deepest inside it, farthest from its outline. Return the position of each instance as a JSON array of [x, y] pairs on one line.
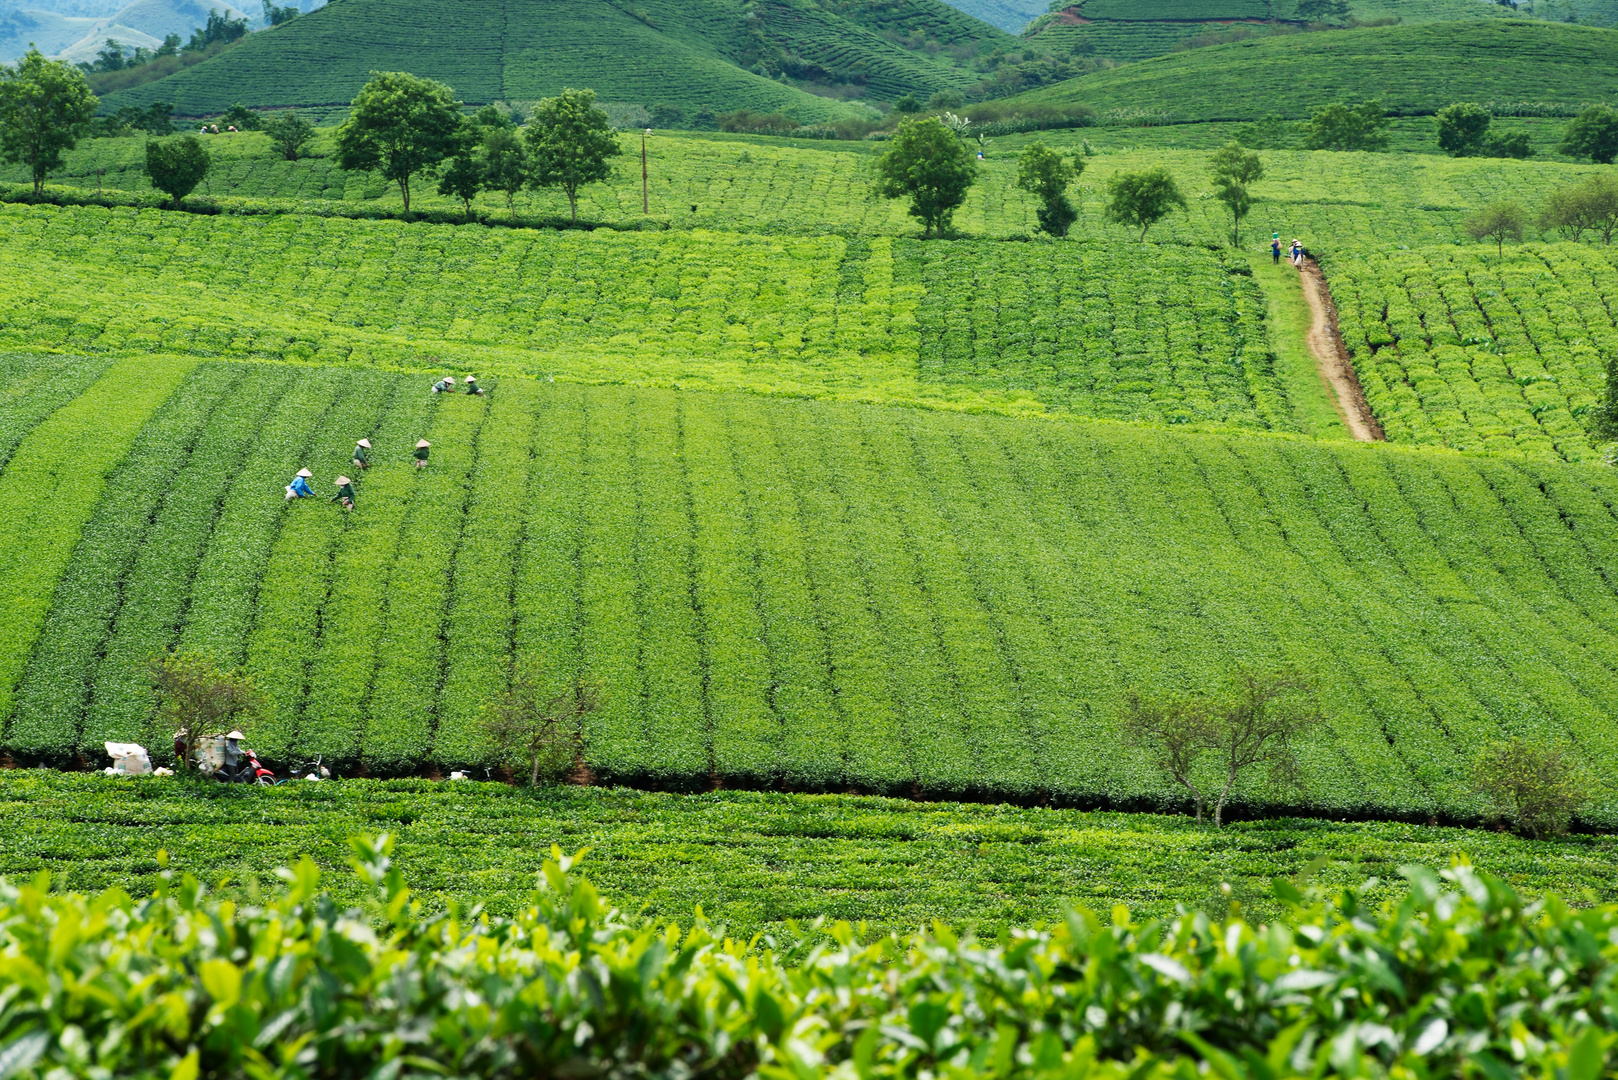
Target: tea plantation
[[787, 593]]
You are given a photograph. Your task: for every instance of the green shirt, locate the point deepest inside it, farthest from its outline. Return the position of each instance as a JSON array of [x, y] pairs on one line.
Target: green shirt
[[421, 453], [344, 492], [359, 453]]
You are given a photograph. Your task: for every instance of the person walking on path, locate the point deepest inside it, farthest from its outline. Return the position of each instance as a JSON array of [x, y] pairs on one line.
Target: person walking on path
[[345, 493], [1297, 253], [472, 386], [1275, 248], [299, 488], [422, 447], [446, 385], [362, 454]]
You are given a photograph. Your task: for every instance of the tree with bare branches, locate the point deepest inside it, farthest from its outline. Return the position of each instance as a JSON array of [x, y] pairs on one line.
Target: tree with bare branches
[[1254, 721], [542, 735], [200, 699]]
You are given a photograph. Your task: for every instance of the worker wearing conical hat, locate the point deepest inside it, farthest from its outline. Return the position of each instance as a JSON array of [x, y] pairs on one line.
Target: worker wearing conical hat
[[345, 492], [422, 447], [362, 454], [472, 386], [446, 385], [299, 488]]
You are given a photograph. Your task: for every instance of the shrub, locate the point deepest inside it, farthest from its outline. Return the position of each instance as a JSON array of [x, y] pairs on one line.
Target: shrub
[[1536, 789], [199, 699], [543, 736]]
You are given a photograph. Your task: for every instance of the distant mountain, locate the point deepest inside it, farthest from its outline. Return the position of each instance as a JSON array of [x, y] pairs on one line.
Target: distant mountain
[[78, 38], [800, 57], [1012, 16]]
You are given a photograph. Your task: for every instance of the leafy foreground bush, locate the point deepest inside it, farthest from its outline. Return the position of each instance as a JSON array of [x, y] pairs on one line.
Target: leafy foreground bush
[[1447, 983]]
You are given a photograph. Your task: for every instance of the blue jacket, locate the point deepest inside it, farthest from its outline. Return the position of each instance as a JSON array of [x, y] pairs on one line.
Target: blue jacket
[[300, 487]]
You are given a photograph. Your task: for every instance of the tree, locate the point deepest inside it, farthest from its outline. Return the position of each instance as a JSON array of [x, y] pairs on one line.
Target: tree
[[1234, 171], [199, 698], [401, 125], [176, 166], [1047, 175], [1319, 11], [463, 179], [1270, 133], [1344, 127], [1589, 205], [569, 142], [523, 728], [220, 28], [45, 108], [1462, 127], [242, 118], [1537, 789], [906, 105], [1142, 198], [926, 163], [504, 163], [1604, 418], [1499, 221], [275, 16], [1592, 134], [1253, 721], [290, 133]]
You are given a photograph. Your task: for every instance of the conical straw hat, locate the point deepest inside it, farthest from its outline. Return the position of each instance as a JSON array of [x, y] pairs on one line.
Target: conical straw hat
[[305, 473], [341, 480], [421, 443], [365, 443]]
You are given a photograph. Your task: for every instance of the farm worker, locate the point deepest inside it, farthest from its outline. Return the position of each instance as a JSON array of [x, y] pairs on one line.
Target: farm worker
[[362, 454], [472, 386], [446, 385], [422, 446], [299, 488], [1297, 253], [1275, 248], [345, 493]]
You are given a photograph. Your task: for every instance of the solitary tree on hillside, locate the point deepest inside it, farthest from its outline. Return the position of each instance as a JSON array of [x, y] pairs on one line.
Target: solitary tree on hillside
[[201, 699], [1536, 788], [1462, 127], [401, 125], [462, 179], [569, 142], [1592, 134], [290, 133], [1047, 174], [1500, 221], [1253, 721], [539, 734], [45, 108], [1142, 198], [1590, 205], [1235, 171], [1346, 127], [928, 164], [176, 166]]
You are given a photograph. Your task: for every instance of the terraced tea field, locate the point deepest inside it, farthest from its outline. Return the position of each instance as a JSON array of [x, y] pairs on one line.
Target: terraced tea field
[[1162, 334], [759, 185], [1460, 347], [791, 593]]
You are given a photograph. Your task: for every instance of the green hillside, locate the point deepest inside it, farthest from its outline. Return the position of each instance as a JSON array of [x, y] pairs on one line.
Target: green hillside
[[694, 54], [1175, 337], [821, 595], [1412, 69], [1128, 30]]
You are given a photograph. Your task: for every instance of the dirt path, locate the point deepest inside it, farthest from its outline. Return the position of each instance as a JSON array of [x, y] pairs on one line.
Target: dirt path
[[1335, 368]]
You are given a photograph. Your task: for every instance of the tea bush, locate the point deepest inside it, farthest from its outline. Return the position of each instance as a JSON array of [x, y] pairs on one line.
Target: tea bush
[[1461, 973]]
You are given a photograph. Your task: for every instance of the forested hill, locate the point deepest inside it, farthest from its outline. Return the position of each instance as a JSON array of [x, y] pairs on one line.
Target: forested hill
[[1510, 64], [720, 54]]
